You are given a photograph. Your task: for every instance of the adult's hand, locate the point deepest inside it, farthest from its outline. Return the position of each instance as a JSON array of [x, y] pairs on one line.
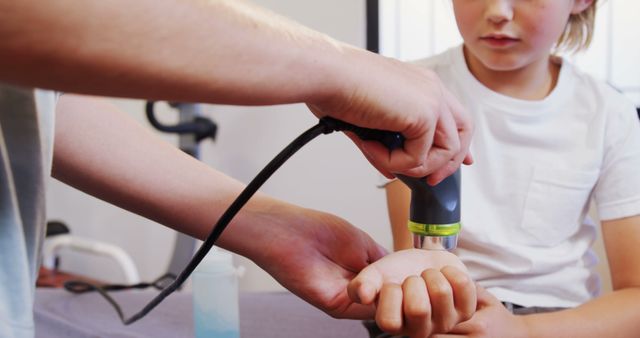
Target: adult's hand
[[383, 93], [315, 255]]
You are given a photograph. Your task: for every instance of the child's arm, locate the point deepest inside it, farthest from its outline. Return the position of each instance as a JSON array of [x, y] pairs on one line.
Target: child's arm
[[398, 199], [614, 314], [104, 152], [418, 292]]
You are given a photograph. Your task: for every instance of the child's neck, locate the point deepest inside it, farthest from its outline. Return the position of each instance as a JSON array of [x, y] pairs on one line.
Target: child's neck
[[534, 81]]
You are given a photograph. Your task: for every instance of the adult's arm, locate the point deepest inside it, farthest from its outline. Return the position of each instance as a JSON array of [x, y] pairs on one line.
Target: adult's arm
[[231, 52], [105, 153], [188, 51]]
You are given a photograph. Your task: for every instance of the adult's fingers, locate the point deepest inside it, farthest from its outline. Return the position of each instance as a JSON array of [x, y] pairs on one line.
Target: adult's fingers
[[370, 149], [463, 120], [411, 160], [464, 131], [365, 286], [446, 145]]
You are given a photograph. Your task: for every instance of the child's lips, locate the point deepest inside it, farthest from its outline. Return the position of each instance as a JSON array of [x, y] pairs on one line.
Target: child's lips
[[499, 40]]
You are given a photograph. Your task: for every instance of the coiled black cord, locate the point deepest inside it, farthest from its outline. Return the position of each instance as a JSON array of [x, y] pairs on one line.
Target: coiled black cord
[[326, 125]]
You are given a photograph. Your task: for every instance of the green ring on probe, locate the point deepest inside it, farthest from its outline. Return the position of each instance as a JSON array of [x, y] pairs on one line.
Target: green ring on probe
[[439, 230]]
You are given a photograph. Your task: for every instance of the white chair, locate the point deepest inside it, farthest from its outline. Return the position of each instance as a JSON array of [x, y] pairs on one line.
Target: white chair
[[59, 237]]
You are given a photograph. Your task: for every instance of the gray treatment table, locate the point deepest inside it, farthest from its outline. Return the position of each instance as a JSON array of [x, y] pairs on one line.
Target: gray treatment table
[[265, 315]]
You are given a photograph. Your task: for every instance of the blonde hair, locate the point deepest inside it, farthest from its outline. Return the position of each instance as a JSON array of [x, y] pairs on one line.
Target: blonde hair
[[578, 33]]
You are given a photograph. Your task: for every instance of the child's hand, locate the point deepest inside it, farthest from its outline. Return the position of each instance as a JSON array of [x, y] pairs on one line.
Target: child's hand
[[418, 292], [491, 319]]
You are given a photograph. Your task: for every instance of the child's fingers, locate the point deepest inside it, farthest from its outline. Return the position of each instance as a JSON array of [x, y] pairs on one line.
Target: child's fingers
[[464, 292], [389, 310], [444, 315], [484, 297], [417, 308]]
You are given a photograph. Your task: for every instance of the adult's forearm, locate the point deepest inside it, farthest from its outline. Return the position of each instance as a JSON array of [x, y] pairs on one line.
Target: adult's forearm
[[227, 51], [217, 51], [612, 315], [129, 166]]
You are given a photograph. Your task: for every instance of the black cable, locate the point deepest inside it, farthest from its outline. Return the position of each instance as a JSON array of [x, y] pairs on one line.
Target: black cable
[[326, 125], [77, 286], [323, 127], [82, 287]]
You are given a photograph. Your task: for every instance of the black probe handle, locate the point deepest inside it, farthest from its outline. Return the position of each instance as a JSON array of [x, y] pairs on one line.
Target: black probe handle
[[390, 139]]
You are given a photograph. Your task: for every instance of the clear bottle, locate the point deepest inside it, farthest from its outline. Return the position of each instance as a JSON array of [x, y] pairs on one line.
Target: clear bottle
[[215, 297]]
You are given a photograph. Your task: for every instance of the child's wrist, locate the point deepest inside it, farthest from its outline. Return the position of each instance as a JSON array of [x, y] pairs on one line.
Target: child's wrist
[[526, 327]]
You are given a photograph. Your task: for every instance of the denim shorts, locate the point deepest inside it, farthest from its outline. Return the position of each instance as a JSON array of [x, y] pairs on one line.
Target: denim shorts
[[528, 310]]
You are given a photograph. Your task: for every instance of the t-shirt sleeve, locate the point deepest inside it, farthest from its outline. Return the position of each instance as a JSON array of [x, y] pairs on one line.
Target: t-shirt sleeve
[[383, 181], [617, 193]]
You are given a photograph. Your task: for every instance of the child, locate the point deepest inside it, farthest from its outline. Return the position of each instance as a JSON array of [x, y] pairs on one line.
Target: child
[[548, 139]]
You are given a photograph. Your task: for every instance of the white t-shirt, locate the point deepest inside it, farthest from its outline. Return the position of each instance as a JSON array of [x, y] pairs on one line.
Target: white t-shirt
[[525, 236]]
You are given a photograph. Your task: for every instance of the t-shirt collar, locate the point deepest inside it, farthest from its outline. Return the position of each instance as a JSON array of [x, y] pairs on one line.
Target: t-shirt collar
[[485, 95]]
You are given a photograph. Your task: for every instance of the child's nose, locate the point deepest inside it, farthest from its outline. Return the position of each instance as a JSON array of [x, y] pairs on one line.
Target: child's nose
[[499, 11]]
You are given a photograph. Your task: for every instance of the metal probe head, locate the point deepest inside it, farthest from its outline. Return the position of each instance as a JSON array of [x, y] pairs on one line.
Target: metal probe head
[[435, 210], [434, 217]]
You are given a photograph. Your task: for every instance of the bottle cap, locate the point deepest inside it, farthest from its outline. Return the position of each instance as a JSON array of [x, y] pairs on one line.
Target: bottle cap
[[216, 261]]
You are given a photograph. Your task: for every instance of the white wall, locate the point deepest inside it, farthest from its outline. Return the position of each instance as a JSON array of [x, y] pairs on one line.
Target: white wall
[[329, 174]]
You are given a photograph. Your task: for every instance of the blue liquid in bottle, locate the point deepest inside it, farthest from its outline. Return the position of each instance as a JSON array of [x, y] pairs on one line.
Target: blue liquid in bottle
[[215, 297]]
